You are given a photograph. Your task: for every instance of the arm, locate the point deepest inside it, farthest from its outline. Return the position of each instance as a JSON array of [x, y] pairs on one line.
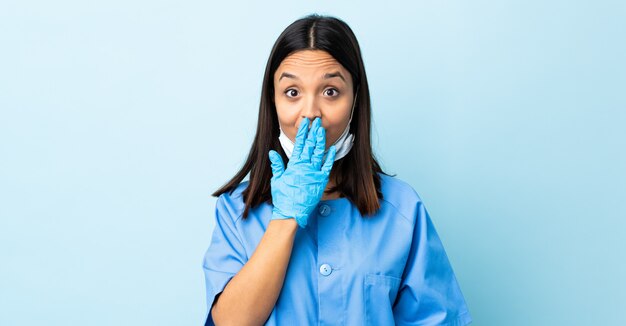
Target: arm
[[251, 294]]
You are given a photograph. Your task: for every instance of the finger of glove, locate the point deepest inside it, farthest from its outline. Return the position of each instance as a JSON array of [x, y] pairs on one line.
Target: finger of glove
[[278, 166], [330, 159], [320, 146], [300, 138], [311, 139]]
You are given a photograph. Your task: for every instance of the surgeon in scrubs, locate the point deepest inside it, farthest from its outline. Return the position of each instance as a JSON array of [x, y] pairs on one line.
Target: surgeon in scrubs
[[319, 234]]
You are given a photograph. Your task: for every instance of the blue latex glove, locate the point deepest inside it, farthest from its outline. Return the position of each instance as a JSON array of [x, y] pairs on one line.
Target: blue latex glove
[[298, 189]]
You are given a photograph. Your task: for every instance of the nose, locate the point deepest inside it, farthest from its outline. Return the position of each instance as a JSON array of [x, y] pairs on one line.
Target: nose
[[311, 111]]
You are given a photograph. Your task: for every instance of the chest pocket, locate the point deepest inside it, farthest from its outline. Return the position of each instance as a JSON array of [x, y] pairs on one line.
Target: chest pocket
[[380, 293]]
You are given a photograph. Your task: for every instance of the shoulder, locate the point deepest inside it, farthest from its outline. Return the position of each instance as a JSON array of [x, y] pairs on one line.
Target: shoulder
[[400, 196], [231, 203]]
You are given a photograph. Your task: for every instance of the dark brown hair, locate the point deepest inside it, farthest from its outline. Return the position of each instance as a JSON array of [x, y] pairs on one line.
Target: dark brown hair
[[356, 173]]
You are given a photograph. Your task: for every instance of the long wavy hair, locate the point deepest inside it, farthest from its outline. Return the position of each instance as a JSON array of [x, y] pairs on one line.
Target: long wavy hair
[[356, 174]]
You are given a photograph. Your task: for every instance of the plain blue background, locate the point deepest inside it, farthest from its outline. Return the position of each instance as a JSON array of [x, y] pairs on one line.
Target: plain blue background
[[118, 119]]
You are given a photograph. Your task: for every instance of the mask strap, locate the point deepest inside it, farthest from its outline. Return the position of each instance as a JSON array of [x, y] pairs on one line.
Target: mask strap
[[354, 103]]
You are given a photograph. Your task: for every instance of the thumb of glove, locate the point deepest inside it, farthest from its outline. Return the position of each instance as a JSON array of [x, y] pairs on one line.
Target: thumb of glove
[[278, 166]]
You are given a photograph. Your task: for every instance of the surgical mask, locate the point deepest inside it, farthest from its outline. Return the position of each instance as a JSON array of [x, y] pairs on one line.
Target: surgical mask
[[342, 145]]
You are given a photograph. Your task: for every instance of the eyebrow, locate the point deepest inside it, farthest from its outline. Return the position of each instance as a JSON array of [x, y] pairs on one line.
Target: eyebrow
[[326, 76]]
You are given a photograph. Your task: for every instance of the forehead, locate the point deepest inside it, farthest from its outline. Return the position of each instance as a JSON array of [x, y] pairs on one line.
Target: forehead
[[308, 62]]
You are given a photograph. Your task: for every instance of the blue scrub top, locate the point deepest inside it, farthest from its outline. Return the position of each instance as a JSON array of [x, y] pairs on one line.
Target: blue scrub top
[[390, 268]]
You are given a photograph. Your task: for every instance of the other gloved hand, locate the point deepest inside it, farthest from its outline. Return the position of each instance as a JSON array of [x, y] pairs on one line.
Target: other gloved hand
[[297, 190]]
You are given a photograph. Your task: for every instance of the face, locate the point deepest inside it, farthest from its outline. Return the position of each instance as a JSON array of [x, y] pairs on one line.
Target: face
[[309, 84]]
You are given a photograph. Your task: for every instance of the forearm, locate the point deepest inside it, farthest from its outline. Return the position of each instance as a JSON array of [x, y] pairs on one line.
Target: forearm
[[251, 294]]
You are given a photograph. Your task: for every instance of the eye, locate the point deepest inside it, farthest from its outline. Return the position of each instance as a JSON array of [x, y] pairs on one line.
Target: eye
[[333, 91], [290, 91]]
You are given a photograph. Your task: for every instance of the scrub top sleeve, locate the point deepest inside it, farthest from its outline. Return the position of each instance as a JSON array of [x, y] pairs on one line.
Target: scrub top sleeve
[[225, 255], [429, 293]]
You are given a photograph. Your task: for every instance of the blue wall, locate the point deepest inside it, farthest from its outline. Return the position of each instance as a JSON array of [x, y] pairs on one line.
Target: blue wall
[[119, 119]]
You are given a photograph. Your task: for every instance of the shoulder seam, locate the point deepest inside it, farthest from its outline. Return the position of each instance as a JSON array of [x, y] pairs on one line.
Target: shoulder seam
[[417, 197], [239, 214], [239, 238], [399, 212]]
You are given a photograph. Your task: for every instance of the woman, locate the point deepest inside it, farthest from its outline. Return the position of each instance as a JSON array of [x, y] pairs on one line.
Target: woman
[[327, 238]]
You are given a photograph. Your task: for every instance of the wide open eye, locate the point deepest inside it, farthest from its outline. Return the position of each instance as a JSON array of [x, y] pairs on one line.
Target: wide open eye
[[291, 91], [333, 92]]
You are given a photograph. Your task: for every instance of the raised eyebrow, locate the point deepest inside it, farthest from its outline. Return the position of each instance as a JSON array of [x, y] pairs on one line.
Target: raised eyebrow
[[288, 75], [326, 76], [334, 74]]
